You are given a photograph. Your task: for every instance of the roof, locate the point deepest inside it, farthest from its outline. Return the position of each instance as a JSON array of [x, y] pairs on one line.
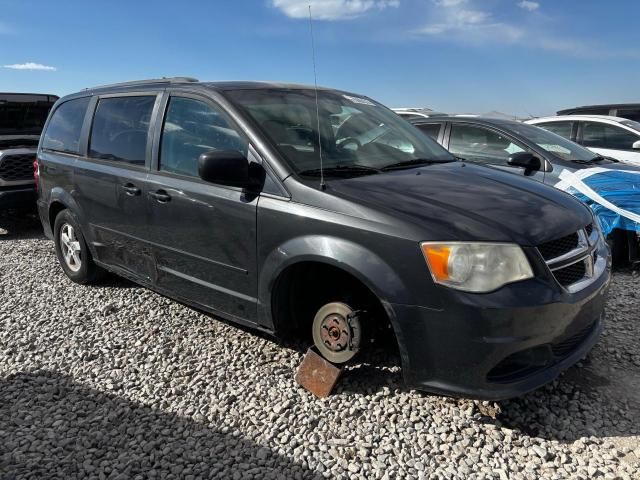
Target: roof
[[468, 119], [225, 85], [578, 117], [4, 95], [604, 105]]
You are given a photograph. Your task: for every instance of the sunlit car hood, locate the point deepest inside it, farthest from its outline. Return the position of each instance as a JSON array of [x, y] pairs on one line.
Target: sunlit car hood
[[460, 201]]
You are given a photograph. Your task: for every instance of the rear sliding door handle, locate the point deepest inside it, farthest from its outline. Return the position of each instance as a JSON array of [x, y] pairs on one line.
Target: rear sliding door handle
[[131, 190], [160, 196]]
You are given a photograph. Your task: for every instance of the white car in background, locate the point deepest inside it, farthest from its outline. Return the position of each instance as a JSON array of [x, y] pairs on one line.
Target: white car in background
[[612, 137]]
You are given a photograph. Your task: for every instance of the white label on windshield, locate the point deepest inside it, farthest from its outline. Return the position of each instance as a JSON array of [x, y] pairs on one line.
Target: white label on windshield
[[362, 101], [555, 148]]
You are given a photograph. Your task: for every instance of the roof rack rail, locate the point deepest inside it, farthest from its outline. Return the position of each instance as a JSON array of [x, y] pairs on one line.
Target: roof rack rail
[[144, 82]]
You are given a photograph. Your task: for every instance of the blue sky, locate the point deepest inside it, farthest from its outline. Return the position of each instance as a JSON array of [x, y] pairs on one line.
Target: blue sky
[[516, 56]]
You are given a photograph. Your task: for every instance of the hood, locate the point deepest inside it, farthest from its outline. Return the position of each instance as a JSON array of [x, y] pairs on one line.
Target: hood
[[461, 201]]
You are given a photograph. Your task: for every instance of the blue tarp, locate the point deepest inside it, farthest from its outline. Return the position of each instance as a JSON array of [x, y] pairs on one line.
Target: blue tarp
[[619, 187]]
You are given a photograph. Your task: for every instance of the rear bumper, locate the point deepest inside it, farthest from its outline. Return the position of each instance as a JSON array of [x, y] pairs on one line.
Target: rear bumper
[[499, 345], [18, 197]]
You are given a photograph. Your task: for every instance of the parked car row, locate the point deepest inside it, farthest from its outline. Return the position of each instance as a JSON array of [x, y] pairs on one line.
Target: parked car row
[[548, 158], [321, 214]]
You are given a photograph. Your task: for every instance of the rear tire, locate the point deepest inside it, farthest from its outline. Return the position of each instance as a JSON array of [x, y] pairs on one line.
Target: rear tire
[[72, 250]]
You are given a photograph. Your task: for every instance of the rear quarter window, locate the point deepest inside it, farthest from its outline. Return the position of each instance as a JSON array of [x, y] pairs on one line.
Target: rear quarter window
[[121, 128], [65, 126]]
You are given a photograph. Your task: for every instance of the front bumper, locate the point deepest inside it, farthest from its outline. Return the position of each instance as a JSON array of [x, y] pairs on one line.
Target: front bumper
[[17, 197], [499, 345]]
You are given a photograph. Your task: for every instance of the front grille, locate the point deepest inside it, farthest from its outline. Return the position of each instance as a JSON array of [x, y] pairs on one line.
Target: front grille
[[556, 248], [569, 275], [572, 258], [17, 167], [566, 346]]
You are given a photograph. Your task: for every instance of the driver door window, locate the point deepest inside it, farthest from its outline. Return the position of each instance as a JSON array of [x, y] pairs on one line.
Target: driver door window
[[481, 145], [191, 128]]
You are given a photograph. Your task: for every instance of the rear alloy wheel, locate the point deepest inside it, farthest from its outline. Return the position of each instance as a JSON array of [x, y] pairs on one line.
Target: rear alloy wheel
[[72, 251], [337, 332], [70, 246]]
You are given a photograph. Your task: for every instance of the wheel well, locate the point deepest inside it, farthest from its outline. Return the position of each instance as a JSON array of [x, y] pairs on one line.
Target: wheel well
[[303, 288], [54, 209]]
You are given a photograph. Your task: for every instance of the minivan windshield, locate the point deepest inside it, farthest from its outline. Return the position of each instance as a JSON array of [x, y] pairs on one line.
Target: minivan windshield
[[357, 135], [24, 114], [554, 144]]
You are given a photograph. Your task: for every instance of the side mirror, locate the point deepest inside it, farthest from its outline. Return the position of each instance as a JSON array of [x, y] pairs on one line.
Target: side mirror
[[636, 145], [526, 160], [224, 167]]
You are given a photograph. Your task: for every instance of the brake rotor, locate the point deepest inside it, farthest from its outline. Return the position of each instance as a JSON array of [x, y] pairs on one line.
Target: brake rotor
[[337, 332]]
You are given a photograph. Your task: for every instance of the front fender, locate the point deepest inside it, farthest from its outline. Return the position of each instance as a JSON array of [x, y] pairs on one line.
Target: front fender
[[351, 257]]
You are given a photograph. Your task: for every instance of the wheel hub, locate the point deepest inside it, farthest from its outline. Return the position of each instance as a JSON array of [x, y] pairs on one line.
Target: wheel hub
[[335, 332]]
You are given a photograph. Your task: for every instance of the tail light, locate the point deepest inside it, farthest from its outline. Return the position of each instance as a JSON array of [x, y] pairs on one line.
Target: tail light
[[36, 172]]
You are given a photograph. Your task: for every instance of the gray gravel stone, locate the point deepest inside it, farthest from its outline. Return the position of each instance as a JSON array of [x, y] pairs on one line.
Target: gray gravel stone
[[115, 381]]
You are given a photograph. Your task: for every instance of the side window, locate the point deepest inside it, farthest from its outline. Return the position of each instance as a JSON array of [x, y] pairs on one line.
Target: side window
[[559, 128], [602, 135], [121, 128], [63, 131], [431, 129], [191, 128], [480, 144]]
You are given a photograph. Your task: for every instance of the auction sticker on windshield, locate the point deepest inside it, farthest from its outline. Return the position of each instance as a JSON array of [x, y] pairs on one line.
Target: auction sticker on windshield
[[362, 101]]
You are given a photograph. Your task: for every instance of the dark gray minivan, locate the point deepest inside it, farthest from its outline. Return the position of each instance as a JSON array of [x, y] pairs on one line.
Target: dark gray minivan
[[322, 213]]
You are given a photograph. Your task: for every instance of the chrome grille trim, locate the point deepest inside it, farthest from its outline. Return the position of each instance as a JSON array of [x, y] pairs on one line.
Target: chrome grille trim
[[586, 252]]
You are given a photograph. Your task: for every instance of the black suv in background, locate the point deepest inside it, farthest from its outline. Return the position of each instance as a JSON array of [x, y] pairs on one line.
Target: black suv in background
[[22, 116], [624, 110], [322, 213]]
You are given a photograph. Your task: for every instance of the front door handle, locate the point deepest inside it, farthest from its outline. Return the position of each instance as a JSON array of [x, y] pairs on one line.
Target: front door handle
[[131, 190], [161, 196]]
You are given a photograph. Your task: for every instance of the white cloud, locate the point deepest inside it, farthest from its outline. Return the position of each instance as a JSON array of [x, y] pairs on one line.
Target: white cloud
[[30, 66], [529, 5], [473, 24], [332, 9], [449, 3]]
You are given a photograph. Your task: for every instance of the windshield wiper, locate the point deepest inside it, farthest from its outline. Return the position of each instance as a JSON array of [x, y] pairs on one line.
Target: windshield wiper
[[340, 169], [415, 162], [597, 158]]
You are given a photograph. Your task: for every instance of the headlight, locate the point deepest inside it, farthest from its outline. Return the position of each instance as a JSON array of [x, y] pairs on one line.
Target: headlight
[[476, 267]]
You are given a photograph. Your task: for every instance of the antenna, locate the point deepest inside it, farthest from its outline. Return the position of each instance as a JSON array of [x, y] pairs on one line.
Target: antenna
[[315, 80]]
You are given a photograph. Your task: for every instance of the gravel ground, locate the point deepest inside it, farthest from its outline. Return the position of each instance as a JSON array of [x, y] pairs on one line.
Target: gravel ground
[[118, 382]]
